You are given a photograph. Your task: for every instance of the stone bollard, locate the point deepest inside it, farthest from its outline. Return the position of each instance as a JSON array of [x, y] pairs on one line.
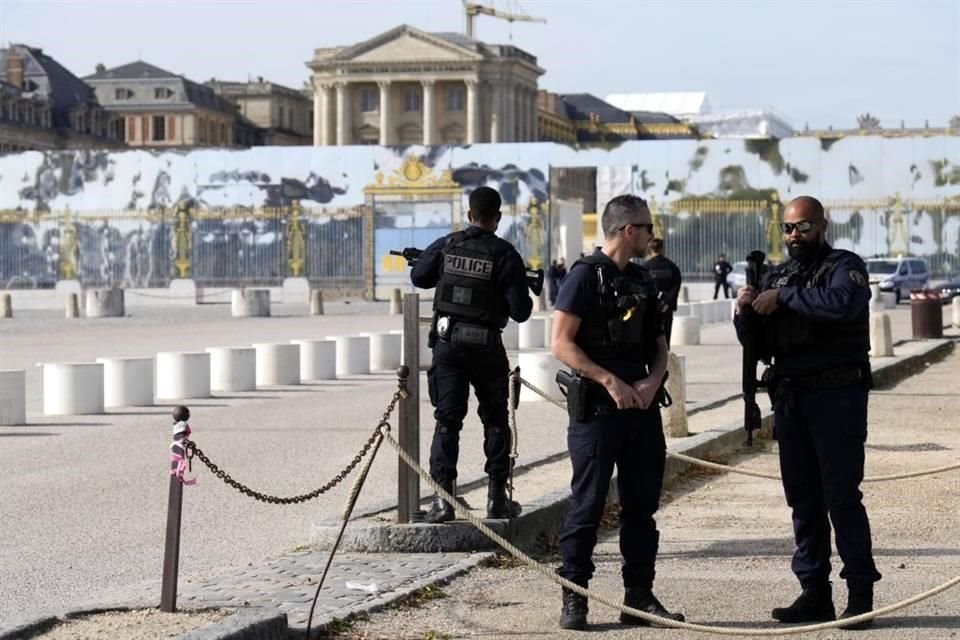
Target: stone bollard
[[675, 416], [353, 354], [278, 363], [684, 294], [182, 374], [539, 368], [13, 397], [318, 359], [72, 388], [511, 336], [104, 303], [6, 306], [127, 382], [250, 303], [385, 350], [686, 331], [72, 309], [531, 333], [233, 368], [316, 302], [955, 307], [889, 299], [547, 332], [876, 299], [396, 303], [881, 338]]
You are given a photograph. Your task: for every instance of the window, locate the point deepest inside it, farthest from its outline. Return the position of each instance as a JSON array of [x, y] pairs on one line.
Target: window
[[159, 128], [122, 94], [455, 99], [369, 99], [223, 134], [120, 131], [132, 128], [281, 115], [162, 93], [412, 99], [917, 266]]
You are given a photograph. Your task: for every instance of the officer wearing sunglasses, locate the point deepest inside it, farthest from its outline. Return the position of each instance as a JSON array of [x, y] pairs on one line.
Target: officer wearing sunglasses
[[814, 321]]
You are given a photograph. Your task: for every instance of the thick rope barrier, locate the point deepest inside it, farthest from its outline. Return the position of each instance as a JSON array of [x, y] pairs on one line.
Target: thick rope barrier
[[749, 472], [663, 622]]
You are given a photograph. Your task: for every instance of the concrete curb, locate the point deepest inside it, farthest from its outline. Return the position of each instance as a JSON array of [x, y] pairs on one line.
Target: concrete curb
[[241, 624], [545, 515]]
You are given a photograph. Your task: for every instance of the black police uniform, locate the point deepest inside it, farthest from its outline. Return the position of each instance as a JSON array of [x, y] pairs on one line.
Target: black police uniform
[[480, 282], [819, 340], [631, 439], [667, 277]]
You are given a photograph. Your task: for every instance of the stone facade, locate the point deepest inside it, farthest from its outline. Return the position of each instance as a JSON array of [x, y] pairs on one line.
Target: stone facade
[[408, 86], [284, 115], [161, 109]]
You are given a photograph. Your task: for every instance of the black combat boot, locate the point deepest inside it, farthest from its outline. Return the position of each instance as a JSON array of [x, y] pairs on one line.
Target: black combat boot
[[440, 509], [815, 604], [859, 601], [643, 599], [498, 505], [573, 614]]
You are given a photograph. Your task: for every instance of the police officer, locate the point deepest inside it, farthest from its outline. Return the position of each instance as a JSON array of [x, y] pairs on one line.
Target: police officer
[[480, 282], [607, 327], [814, 320], [721, 268], [667, 277]]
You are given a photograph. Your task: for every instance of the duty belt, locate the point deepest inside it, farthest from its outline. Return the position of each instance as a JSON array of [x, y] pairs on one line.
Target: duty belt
[[826, 379]]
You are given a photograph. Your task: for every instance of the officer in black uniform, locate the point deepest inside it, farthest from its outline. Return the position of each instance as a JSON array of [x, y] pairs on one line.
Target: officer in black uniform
[[480, 282], [668, 278], [607, 327], [813, 317]]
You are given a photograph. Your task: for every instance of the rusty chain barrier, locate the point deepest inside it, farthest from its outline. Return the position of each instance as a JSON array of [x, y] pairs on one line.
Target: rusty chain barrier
[[193, 450]]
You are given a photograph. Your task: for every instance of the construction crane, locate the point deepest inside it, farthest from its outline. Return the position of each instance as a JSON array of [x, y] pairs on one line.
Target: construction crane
[[473, 9]]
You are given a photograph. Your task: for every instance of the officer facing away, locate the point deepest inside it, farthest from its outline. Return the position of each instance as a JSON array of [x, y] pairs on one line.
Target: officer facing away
[[813, 313], [607, 327], [668, 278], [480, 282]]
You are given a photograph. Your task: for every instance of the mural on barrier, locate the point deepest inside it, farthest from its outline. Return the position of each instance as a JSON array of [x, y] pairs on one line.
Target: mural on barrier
[[141, 218]]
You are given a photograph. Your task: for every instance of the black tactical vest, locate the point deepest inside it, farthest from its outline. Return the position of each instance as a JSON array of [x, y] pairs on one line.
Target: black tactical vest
[[614, 328], [467, 289], [789, 334]]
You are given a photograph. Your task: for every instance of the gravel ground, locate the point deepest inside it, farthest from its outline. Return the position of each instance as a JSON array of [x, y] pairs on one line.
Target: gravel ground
[[726, 543]]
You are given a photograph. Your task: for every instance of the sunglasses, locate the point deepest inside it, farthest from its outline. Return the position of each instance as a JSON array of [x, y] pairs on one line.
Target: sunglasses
[[642, 225], [803, 226]]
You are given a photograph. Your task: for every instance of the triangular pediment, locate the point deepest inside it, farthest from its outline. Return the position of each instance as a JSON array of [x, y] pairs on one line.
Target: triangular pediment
[[407, 43]]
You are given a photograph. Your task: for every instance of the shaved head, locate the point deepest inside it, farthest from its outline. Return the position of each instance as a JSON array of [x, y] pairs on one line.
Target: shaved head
[[807, 208]]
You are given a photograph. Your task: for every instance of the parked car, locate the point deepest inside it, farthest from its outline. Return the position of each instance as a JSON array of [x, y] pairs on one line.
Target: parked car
[[737, 278], [950, 289], [898, 275]]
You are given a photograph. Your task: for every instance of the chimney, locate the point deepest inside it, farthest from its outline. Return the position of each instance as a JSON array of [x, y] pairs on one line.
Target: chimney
[[15, 69], [100, 68]]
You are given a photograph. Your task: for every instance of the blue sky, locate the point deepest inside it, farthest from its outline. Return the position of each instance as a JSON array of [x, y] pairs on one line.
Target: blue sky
[[820, 63]]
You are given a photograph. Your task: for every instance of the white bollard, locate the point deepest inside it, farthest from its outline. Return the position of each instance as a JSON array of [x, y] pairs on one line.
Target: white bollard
[[684, 294], [675, 416], [511, 336], [72, 388], [889, 299], [881, 338], [353, 354], [531, 333], [696, 311], [396, 302], [318, 359], [278, 363], [683, 310], [250, 303], [6, 306], [182, 374], [539, 368], [13, 397], [686, 331], [547, 332], [127, 382], [104, 303], [316, 302], [72, 307], [876, 299], [385, 350], [955, 307], [233, 368]]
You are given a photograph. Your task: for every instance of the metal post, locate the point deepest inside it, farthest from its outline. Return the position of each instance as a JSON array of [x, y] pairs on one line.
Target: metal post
[[408, 482], [171, 548]]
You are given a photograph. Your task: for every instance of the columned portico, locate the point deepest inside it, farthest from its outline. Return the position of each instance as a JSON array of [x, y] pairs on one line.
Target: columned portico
[[342, 114], [473, 112], [427, 106], [385, 113]]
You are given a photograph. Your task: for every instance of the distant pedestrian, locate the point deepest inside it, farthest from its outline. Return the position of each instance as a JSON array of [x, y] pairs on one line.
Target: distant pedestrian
[[721, 268]]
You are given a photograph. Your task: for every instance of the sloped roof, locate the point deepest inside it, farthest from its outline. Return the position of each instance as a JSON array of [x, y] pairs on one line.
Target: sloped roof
[[581, 105], [132, 71], [51, 78]]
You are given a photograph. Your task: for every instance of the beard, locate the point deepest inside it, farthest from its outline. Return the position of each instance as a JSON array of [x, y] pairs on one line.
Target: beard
[[803, 249]]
